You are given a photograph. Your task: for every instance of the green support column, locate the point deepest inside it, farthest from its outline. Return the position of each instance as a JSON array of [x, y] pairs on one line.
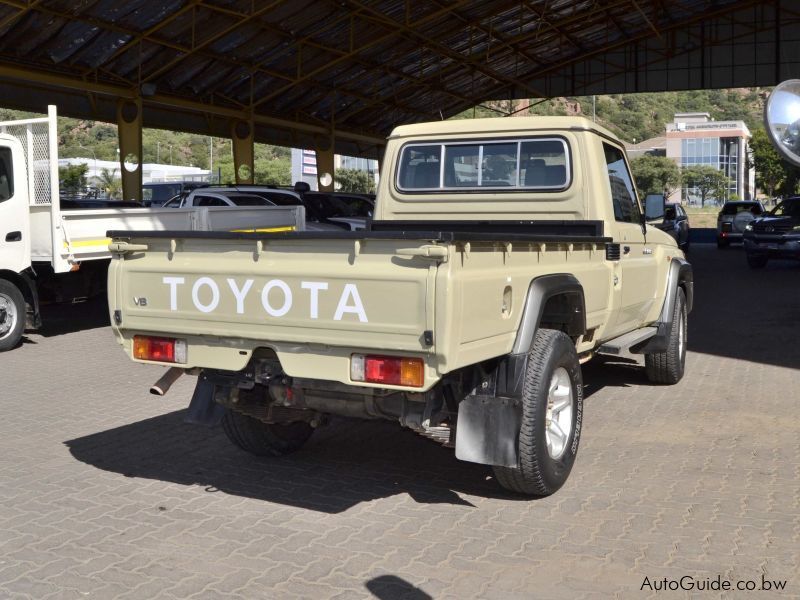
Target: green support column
[[129, 127], [325, 177], [242, 134]]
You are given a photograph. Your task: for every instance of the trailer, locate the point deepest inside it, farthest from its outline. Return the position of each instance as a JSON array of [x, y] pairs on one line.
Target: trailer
[[57, 254]]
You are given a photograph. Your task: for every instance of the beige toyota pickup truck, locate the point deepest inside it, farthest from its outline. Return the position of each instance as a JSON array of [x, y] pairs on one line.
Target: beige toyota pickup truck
[[503, 254]]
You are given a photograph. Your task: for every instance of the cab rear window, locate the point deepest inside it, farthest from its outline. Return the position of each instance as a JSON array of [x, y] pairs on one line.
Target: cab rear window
[[732, 209], [502, 165]]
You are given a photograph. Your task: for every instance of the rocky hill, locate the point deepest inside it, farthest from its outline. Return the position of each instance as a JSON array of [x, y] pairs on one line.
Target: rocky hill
[[631, 116], [640, 116]]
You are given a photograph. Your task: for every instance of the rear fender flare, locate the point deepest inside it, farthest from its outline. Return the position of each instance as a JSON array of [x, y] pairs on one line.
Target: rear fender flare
[[540, 291], [510, 373], [488, 425]]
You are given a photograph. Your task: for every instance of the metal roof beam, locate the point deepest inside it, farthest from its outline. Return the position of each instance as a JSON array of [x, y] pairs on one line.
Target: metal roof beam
[[443, 50], [22, 12], [357, 50], [64, 81], [211, 39], [147, 34]]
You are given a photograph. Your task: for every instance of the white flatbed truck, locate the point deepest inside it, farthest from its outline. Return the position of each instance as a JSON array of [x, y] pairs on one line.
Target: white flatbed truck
[[63, 254]]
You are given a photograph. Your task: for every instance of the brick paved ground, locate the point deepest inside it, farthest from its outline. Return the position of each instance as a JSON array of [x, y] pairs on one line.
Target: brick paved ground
[[105, 493]]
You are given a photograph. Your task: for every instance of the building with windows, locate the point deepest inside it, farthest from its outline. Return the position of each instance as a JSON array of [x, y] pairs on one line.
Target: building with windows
[[694, 139], [151, 172]]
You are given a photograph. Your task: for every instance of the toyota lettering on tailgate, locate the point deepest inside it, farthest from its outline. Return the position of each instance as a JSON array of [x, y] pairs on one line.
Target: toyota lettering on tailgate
[[276, 296]]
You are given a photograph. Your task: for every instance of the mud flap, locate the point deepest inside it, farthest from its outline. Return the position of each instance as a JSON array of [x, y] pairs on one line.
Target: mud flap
[[487, 431], [202, 409]]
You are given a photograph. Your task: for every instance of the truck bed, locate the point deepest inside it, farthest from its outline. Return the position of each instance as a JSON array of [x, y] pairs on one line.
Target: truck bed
[[81, 233], [452, 297], [442, 231]]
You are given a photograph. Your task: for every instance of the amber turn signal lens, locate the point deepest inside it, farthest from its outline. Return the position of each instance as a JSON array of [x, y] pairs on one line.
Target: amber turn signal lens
[[159, 349], [411, 372]]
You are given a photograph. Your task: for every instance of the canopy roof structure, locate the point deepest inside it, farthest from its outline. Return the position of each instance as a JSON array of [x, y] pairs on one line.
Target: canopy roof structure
[[350, 70]]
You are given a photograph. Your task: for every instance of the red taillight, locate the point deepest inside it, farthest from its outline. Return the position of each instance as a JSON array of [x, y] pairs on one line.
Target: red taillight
[[159, 349], [387, 370], [382, 369]]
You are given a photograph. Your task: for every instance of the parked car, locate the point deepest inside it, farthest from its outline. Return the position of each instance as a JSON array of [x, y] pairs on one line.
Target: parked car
[[733, 218], [210, 197], [774, 235], [156, 194], [676, 224], [346, 208], [316, 219]]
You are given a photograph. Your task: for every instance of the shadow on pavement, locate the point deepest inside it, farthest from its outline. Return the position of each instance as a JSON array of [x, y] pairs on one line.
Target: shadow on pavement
[[344, 464], [703, 235], [391, 587], [63, 318], [743, 313], [612, 371]]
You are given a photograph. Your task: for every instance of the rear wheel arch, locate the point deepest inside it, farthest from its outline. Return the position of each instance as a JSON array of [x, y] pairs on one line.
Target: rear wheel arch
[[553, 301]]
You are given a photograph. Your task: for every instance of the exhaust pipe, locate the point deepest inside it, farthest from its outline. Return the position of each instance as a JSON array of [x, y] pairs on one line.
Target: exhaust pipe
[[161, 387]]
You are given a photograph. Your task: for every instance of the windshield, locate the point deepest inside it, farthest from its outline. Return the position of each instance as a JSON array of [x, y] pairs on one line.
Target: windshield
[[734, 209], [787, 208], [160, 192]]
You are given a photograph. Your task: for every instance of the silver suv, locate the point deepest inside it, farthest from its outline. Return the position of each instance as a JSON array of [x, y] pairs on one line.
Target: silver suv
[[733, 218]]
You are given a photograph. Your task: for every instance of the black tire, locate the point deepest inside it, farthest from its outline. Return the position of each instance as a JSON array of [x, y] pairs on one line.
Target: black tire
[[265, 439], [723, 243], [13, 314], [538, 473], [757, 261], [667, 367]]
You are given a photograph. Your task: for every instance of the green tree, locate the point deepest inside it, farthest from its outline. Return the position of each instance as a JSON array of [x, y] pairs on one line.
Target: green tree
[[770, 169], [355, 180], [656, 174], [273, 171], [707, 181], [72, 178], [110, 183]]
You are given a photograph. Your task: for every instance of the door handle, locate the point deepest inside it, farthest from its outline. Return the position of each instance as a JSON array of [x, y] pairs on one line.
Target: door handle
[[626, 249], [14, 236]]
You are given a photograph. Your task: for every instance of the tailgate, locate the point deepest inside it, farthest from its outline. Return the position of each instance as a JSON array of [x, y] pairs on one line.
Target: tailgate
[[251, 293]]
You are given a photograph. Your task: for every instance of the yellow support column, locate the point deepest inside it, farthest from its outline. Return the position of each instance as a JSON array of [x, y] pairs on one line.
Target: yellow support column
[[129, 127], [325, 178], [242, 134]]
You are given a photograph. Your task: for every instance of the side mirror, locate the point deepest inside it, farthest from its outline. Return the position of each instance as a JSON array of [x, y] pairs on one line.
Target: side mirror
[[654, 207], [782, 119]]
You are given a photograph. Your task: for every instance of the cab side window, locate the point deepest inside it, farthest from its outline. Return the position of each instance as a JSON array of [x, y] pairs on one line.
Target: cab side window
[[6, 174], [623, 196]]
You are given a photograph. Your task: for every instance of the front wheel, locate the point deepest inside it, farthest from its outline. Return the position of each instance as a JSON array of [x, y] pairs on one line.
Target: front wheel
[[265, 439], [12, 315], [667, 367], [552, 408]]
